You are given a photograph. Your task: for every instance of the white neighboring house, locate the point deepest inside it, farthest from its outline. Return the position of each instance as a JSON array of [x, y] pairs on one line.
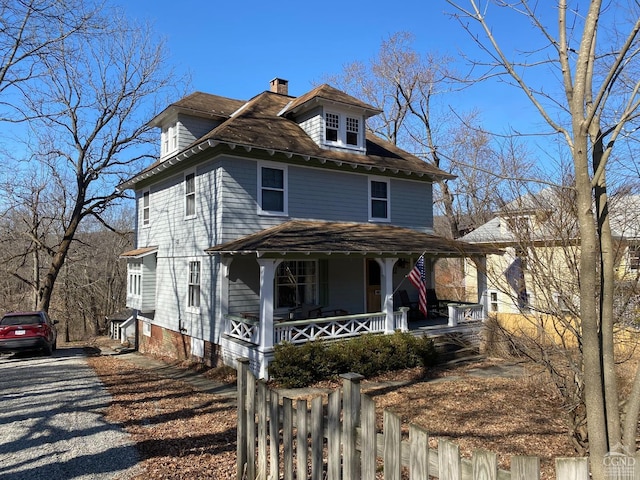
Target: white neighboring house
[[277, 218]]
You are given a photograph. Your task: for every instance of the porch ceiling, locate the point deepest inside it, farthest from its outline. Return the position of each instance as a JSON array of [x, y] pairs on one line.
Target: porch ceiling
[[313, 237]]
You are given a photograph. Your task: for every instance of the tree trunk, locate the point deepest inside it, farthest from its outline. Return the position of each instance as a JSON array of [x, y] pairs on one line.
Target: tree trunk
[[592, 368]]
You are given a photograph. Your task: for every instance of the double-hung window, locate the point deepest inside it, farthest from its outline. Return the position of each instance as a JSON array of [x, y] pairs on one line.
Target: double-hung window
[[272, 190], [169, 139], [135, 279], [165, 140], [190, 195], [332, 126], [296, 283], [146, 207], [379, 200], [493, 301], [634, 258], [342, 130], [353, 131], [193, 295]]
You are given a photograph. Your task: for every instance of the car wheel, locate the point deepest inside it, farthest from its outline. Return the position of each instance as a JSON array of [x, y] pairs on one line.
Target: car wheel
[[54, 347], [48, 349]]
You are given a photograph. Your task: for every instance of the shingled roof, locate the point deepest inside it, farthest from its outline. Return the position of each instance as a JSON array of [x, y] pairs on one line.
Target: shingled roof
[[306, 237], [263, 123]]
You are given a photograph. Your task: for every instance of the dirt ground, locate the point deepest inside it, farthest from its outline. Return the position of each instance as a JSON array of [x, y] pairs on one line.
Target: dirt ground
[[185, 434]]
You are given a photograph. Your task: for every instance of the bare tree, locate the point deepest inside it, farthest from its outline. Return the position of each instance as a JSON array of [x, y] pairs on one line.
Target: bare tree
[[593, 107], [85, 112], [29, 30], [412, 91]]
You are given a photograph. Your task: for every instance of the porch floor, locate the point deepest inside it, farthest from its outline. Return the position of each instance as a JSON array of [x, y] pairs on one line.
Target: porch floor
[[438, 325]]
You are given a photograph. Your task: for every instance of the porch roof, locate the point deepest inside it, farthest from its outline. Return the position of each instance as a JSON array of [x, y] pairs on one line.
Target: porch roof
[[307, 237], [139, 252]]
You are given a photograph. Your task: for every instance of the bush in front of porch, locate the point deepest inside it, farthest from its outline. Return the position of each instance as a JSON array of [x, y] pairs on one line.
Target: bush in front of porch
[[296, 366]]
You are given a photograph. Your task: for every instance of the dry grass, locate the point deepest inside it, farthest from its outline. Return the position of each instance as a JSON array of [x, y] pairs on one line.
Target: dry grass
[[182, 433]]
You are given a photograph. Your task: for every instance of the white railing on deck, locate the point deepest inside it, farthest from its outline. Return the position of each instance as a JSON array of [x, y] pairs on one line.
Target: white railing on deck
[[244, 329], [329, 328], [465, 313]]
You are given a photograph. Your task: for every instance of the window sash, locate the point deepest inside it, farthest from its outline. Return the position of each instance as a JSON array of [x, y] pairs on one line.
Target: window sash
[[332, 126], [634, 257], [379, 200], [193, 300], [272, 190], [190, 194], [146, 202], [353, 129], [296, 283]]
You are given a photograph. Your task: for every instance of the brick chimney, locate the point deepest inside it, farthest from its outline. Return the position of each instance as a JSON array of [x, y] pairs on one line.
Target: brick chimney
[[278, 85]]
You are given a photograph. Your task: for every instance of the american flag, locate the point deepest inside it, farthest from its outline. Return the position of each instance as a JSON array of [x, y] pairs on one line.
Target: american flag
[[416, 276]]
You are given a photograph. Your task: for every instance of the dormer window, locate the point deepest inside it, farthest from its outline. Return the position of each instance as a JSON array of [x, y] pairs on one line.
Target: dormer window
[[353, 129], [332, 125], [342, 130], [169, 139]]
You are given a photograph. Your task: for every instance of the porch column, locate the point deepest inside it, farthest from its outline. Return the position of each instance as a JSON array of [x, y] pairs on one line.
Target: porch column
[[267, 274], [430, 274], [481, 282], [225, 264], [386, 284]]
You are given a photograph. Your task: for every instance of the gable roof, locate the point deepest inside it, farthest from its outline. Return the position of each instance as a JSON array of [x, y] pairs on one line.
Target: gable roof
[[257, 124], [306, 237]]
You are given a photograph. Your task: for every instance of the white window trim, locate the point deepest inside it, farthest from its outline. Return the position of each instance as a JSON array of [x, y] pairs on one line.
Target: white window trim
[[370, 198], [491, 302], [169, 138], [194, 194], [191, 308], [147, 223], [633, 251], [342, 130], [285, 189], [134, 287]]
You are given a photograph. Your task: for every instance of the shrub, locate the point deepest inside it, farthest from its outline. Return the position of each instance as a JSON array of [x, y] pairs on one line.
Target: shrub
[[297, 366]]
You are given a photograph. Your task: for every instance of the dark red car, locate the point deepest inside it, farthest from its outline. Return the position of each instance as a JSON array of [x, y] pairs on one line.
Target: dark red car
[[28, 331]]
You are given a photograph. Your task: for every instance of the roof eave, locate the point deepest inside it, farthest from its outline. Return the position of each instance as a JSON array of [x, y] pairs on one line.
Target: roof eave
[[210, 143]]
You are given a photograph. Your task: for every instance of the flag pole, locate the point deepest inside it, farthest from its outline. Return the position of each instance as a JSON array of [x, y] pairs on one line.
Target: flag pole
[[407, 275]]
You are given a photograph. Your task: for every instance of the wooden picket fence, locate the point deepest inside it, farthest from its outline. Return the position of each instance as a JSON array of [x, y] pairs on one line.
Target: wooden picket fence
[[340, 442]]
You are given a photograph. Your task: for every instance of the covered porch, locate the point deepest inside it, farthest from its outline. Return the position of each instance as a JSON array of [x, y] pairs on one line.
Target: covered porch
[[304, 281]]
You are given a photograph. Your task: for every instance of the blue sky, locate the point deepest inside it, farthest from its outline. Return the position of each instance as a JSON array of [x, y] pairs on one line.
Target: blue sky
[[235, 48]]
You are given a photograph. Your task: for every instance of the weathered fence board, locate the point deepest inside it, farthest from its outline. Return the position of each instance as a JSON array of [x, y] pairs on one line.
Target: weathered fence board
[[345, 444], [392, 444], [333, 436], [302, 444], [317, 442], [287, 437]]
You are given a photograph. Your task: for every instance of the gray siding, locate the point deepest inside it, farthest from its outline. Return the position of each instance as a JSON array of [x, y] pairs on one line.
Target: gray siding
[[192, 128], [311, 122], [411, 205], [244, 286], [346, 284]]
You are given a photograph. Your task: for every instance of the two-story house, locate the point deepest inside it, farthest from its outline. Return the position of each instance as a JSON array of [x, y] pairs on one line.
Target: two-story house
[[536, 272], [260, 215]]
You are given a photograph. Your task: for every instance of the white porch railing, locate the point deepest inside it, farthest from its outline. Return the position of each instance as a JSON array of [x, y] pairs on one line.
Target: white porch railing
[[247, 331], [330, 328], [302, 331], [464, 313], [241, 328]]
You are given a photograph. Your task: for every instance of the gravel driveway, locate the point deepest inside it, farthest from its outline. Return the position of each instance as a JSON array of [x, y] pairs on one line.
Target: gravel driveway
[[51, 421]]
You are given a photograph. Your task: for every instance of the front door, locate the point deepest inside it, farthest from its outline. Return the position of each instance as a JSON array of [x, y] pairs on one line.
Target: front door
[[374, 302]]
